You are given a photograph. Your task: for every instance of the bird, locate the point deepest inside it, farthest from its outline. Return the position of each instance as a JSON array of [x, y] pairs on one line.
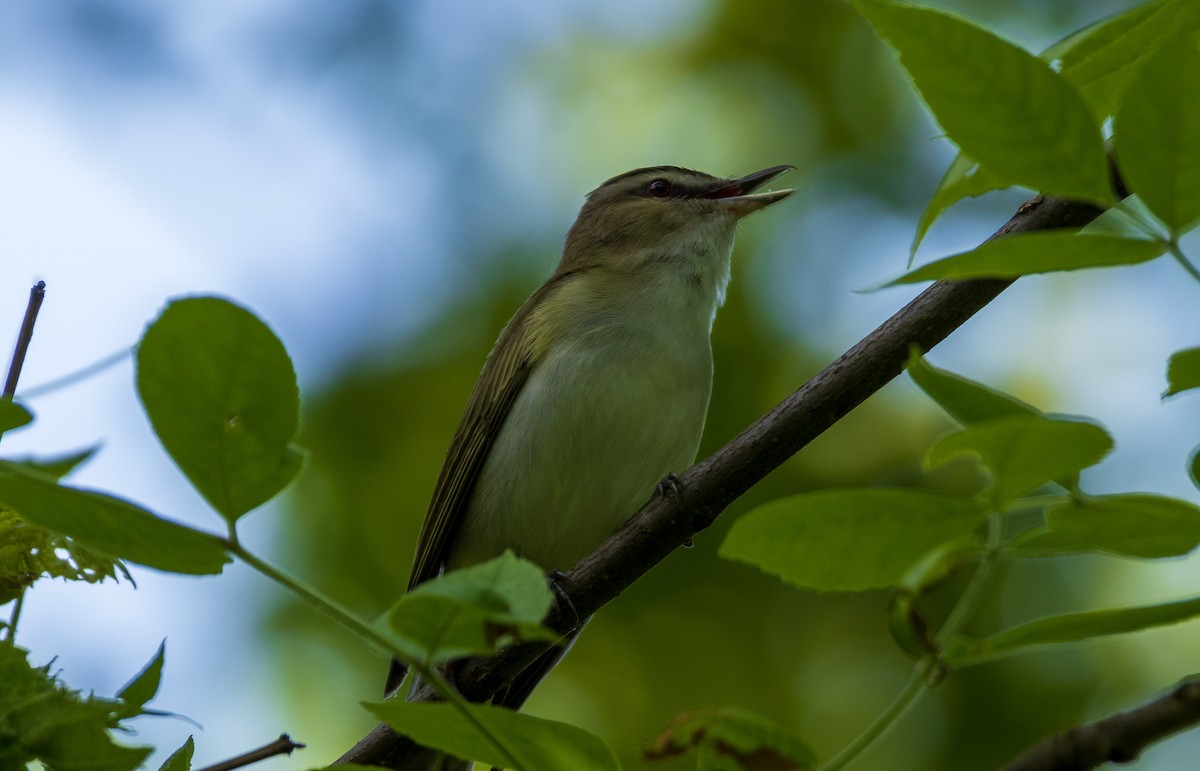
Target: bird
[[598, 386]]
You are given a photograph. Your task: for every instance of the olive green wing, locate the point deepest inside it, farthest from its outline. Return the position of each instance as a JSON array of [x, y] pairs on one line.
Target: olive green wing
[[504, 375]]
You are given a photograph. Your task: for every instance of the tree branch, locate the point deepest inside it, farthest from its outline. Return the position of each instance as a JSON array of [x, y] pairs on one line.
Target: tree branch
[[36, 295], [1119, 738], [670, 519], [281, 746]]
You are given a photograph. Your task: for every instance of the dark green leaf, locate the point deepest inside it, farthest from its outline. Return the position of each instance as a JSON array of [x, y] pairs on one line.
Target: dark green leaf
[[1025, 451], [472, 611], [221, 393], [964, 179], [58, 466], [1000, 104], [181, 759], [964, 400], [535, 744], [143, 686], [1044, 252], [1099, 60], [1183, 371], [29, 552], [1194, 467], [1070, 628], [848, 540], [728, 737], [1129, 525], [13, 415], [41, 720], [1157, 133], [110, 525]]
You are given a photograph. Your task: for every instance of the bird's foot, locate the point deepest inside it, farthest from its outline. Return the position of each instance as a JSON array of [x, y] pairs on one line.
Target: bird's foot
[[671, 487], [564, 608]]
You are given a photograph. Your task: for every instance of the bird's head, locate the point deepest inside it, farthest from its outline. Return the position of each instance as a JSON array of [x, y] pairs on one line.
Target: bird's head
[[664, 213]]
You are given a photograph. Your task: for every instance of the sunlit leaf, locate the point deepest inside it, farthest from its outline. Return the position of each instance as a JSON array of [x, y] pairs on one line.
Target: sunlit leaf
[[29, 552], [534, 743], [1025, 451], [848, 540], [965, 400], [42, 720], [963, 179], [1183, 371], [181, 759], [731, 738], [1157, 133], [221, 393], [1099, 60], [1043, 252], [472, 611], [110, 525], [1129, 525], [1071, 628], [1000, 104]]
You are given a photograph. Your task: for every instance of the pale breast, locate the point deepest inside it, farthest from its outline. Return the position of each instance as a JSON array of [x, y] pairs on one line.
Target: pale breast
[[599, 423]]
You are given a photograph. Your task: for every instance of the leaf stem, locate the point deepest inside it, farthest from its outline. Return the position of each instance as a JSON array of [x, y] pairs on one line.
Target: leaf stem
[[368, 633], [930, 668], [968, 601], [904, 701], [1181, 258], [16, 615], [71, 378]]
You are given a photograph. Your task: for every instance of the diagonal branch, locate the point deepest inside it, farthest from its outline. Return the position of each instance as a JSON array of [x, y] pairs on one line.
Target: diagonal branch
[[1119, 738], [670, 519]]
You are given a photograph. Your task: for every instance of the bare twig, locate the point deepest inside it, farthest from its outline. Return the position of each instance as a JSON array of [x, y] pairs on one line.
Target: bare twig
[[669, 520], [1119, 738], [36, 295], [281, 746]]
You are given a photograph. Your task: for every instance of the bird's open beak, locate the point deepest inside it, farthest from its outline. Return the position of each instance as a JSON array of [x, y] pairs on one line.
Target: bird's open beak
[[739, 194]]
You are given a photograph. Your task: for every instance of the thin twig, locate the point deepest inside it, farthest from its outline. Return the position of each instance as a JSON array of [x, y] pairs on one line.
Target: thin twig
[[36, 295], [281, 746], [669, 520], [1119, 738], [71, 378]]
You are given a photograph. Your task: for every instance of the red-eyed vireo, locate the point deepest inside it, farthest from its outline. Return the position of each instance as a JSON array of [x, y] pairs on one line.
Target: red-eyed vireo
[[597, 388]]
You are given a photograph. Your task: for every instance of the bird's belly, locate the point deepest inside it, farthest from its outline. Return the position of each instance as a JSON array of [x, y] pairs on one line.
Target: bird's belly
[[591, 434]]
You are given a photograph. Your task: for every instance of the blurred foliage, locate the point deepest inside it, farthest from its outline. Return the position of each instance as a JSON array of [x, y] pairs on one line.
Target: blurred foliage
[[697, 630]]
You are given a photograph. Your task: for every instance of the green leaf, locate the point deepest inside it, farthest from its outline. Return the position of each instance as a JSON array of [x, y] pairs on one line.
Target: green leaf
[[1001, 105], [143, 686], [29, 553], [536, 744], [1025, 451], [475, 610], [1157, 133], [42, 720], [1043, 252], [1183, 371], [1071, 628], [1129, 525], [848, 540], [731, 738], [221, 393], [964, 179], [57, 466], [13, 415], [1100, 59], [110, 525], [1194, 467], [963, 399], [181, 759]]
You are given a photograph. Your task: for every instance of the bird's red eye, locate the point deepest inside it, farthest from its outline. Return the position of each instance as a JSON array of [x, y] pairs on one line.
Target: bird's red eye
[[659, 188]]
